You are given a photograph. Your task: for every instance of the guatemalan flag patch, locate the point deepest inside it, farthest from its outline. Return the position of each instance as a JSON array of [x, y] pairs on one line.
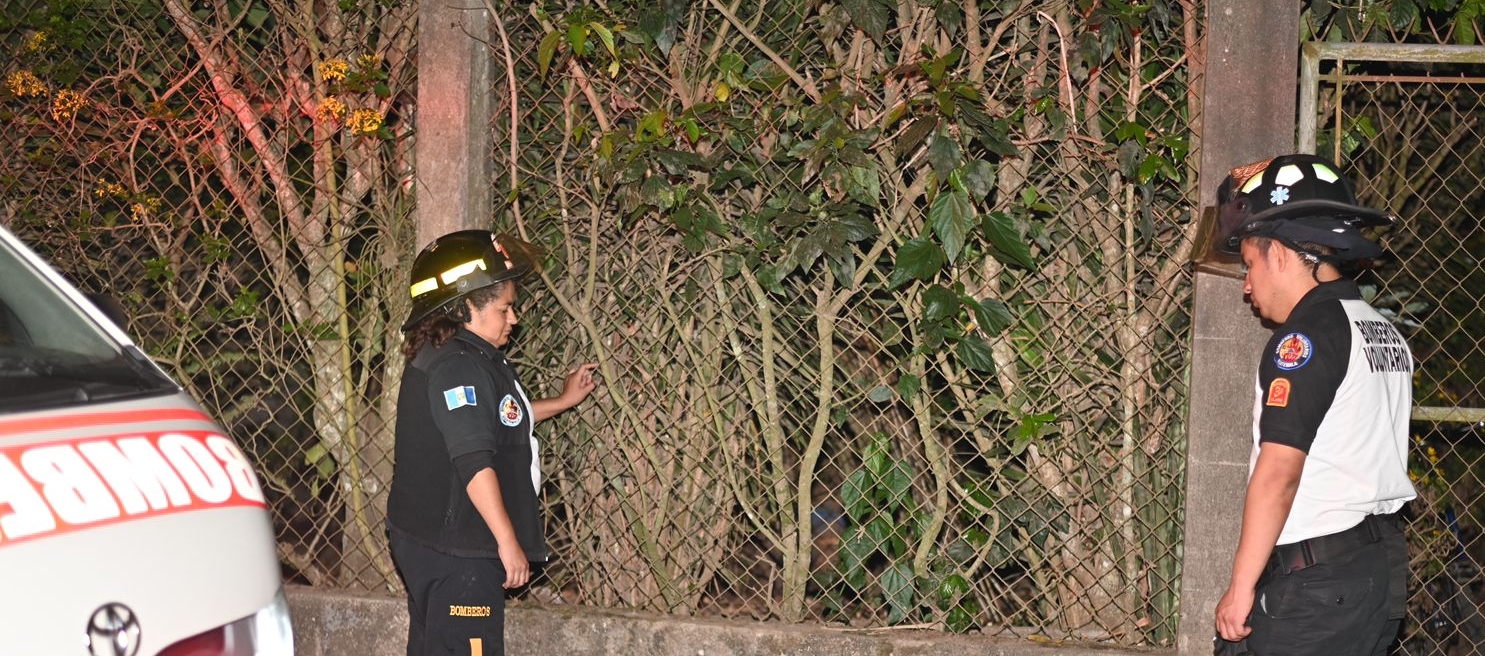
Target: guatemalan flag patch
[[459, 397]]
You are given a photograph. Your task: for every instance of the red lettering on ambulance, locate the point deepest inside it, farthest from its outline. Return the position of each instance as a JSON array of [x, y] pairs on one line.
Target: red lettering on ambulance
[[69, 485], [137, 473], [28, 512], [58, 487], [237, 466], [201, 472]]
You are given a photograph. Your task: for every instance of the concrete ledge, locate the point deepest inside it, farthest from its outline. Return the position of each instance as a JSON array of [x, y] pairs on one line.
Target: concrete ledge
[[341, 624]]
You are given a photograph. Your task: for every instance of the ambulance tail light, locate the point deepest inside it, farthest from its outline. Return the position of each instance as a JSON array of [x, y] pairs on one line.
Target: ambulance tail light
[[265, 633]]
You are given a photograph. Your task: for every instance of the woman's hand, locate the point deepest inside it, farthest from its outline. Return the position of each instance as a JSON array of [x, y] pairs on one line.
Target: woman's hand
[[517, 568], [579, 383]]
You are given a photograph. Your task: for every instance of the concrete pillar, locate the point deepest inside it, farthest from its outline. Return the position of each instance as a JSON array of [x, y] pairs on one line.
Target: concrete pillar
[[1247, 114], [454, 142]]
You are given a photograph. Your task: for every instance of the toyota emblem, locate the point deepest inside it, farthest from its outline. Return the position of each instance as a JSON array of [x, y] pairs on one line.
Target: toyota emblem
[[113, 631]]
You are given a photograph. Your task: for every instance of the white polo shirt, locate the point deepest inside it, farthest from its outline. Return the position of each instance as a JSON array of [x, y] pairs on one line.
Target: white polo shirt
[[1336, 381]]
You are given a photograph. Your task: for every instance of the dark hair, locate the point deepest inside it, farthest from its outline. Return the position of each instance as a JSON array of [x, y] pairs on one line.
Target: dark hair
[[1312, 254], [439, 327]]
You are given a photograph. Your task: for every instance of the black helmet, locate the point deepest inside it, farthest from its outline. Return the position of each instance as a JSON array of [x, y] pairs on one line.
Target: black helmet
[[460, 262], [1296, 199]]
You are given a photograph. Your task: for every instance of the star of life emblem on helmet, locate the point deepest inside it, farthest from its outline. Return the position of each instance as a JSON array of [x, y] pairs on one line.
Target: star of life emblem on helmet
[[113, 630], [1278, 195]]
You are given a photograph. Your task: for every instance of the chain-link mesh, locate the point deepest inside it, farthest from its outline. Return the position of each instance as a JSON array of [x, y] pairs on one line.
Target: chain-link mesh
[[231, 174], [890, 298], [889, 301], [1411, 133]]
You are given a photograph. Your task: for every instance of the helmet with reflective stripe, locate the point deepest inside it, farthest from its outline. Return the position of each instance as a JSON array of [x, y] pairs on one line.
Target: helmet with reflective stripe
[[1299, 200], [461, 262]]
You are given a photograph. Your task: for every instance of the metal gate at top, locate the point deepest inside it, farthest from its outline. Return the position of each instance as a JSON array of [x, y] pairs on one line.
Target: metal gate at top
[[1408, 121]]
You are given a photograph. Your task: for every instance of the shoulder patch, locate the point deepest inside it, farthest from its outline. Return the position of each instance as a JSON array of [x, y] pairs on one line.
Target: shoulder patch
[[459, 397], [1294, 351], [1278, 393], [510, 411]]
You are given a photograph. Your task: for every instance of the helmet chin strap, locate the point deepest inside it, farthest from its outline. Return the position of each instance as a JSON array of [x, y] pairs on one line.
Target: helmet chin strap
[[1312, 258]]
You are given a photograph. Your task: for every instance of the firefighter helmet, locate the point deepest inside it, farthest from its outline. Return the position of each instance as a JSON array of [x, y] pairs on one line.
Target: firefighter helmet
[[461, 262]]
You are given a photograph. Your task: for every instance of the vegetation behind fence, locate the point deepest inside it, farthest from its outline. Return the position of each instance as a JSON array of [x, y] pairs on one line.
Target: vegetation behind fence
[[890, 302]]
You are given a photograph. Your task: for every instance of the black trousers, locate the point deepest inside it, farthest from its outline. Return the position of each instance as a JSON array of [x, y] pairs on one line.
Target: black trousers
[[1344, 604], [455, 606]]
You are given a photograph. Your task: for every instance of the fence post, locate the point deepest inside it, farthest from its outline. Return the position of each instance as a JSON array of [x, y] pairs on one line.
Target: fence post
[[1247, 114], [453, 149]]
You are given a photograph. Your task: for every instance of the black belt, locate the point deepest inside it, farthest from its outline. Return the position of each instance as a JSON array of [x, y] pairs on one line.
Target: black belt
[[1290, 558]]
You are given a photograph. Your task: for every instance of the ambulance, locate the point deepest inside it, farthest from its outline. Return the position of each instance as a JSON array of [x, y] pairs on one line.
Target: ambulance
[[130, 524]]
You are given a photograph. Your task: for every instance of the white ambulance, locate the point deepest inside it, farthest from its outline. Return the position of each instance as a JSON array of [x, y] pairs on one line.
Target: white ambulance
[[130, 525]]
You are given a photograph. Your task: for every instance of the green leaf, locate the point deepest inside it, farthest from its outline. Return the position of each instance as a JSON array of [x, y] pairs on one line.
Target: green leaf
[[976, 354], [856, 227], [865, 186], [1031, 428], [908, 385], [880, 394], [951, 588], [950, 17], [853, 496], [943, 154], [658, 191], [918, 259], [661, 21], [677, 162], [978, 177], [856, 552], [1009, 247], [577, 38], [875, 457], [606, 36], [546, 50], [897, 587], [960, 619], [871, 16], [992, 315], [936, 68], [914, 135], [951, 217], [1151, 167], [939, 303], [899, 482], [1130, 130]]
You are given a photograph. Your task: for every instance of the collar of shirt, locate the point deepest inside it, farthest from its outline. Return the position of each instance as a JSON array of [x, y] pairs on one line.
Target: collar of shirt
[[1336, 290], [489, 350]]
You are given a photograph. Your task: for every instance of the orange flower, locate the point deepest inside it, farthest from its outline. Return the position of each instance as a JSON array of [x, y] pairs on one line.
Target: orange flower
[[66, 104], [331, 109], [25, 84], [364, 122]]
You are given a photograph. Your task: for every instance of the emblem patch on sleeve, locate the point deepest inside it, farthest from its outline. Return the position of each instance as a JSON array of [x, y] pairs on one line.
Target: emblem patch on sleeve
[[510, 411], [1294, 351], [1278, 393], [459, 397]]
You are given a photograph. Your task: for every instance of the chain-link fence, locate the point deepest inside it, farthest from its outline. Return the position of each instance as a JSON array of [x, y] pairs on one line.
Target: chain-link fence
[[232, 174], [1408, 121], [889, 299]]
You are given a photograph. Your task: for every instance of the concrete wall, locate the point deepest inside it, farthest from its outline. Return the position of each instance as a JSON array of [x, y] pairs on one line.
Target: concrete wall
[[454, 165], [1247, 114], [337, 624]]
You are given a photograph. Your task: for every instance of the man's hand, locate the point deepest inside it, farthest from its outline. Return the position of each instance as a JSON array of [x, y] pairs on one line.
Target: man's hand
[[517, 568], [1232, 614]]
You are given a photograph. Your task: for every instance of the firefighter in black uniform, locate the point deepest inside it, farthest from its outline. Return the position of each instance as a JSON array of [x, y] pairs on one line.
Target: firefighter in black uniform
[[463, 516], [1321, 564]]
